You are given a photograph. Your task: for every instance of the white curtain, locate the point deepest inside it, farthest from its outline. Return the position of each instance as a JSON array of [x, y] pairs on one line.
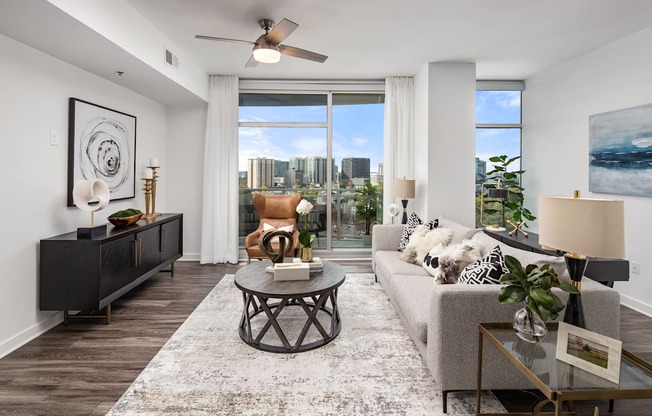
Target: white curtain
[[399, 137], [219, 236]]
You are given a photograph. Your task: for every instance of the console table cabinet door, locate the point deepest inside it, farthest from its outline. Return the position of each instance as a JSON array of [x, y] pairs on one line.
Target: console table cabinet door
[[148, 243], [171, 233], [119, 262]]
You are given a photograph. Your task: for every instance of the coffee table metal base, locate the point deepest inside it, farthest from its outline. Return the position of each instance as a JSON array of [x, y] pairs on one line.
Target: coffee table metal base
[[256, 304]]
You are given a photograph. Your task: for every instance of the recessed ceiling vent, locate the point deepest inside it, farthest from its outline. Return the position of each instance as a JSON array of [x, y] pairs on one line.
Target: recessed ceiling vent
[[171, 59]]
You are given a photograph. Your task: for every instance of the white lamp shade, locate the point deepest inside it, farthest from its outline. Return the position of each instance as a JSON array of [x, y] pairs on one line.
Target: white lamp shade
[[592, 227], [404, 188], [85, 192]]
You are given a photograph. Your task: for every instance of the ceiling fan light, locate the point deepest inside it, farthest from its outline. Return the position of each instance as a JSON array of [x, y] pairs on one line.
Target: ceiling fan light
[[267, 54]]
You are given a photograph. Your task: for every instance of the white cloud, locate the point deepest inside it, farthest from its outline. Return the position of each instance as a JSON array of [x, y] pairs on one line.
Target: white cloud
[[359, 141]]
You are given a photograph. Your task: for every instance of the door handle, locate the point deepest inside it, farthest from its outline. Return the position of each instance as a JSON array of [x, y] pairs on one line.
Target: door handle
[[162, 247]]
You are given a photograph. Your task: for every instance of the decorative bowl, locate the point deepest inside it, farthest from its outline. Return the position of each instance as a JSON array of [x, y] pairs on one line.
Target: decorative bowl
[[125, 221]]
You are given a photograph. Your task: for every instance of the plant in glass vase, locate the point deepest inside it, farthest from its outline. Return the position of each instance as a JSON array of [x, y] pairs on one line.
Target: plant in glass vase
[[305, 238], [532, 285]]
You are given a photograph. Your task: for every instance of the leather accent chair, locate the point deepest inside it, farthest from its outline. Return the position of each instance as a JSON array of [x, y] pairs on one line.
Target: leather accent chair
[[277, 211]]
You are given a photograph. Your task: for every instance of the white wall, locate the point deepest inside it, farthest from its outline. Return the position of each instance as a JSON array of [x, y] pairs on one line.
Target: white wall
[[35, 90], [557, 104], [186, 130], [445, 141]]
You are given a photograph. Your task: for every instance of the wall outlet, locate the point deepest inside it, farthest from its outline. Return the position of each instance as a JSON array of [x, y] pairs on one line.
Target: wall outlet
[[636, 267], [54, 138]]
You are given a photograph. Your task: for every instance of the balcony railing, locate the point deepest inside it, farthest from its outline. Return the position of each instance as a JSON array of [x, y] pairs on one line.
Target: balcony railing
[[347, 226]]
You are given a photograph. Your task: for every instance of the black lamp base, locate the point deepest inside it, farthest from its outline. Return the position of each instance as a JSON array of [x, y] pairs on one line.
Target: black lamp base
[[574, 313], [404, 202]]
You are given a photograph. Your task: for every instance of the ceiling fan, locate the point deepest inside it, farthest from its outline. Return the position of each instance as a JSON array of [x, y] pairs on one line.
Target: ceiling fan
[[267, 48]]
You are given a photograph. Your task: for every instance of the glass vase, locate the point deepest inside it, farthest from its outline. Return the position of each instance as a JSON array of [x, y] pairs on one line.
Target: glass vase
[[306, 254], [529, 326]]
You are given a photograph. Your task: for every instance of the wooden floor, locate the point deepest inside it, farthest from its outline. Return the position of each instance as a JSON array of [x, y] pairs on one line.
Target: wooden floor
[[83, 368]]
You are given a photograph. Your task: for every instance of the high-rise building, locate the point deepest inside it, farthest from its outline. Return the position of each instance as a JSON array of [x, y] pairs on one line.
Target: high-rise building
[[480, 174], [355, 167], [297, 163], [260, 172], [294, 178], [281, 167], [315, 172], [381, 172]]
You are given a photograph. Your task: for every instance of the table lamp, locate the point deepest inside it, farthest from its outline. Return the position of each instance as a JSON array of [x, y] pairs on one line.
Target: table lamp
[[404, 189], [581, 227], [497, 193]]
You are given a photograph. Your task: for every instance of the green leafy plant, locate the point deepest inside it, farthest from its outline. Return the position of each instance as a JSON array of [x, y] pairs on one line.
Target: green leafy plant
[[367, 204], [130, 212], [512, 181], [533, 285]]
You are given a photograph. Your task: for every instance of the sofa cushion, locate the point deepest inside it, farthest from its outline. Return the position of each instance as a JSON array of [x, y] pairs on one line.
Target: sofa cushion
[[487, 270], [389, 264], [460, 232], [412, 295], [486, 243]]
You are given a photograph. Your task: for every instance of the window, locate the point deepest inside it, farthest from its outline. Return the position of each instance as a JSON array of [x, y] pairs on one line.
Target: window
[[286, 142], [498, 132]]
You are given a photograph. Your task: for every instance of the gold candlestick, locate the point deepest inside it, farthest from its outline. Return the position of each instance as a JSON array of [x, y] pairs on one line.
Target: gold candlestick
[[154, 180], [148, 197]]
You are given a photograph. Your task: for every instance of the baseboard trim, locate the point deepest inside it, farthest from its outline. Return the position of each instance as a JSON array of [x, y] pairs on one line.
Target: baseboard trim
[[637, 305], [17, 341], [190, 257]]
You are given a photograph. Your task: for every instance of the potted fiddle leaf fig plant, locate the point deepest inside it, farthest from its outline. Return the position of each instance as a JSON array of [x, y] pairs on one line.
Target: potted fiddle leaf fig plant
[[532, 285], [511, 180]]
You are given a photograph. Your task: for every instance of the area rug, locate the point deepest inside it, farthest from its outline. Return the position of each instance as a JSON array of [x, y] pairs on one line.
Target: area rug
[[371, 368]]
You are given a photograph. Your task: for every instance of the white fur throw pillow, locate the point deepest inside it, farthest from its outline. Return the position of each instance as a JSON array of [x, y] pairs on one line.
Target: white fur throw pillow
[[422, 240], [267, 227], [447, 265]]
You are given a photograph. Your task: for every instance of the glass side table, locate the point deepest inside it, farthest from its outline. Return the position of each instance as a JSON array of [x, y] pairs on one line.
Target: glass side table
[[558, 381]]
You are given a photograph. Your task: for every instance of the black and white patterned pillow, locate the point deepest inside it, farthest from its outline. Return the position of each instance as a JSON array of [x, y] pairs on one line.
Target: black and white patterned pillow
[[487, 270], [412, 223]]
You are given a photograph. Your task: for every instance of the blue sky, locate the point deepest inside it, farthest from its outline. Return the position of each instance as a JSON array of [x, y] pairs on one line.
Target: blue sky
[[358, 130]]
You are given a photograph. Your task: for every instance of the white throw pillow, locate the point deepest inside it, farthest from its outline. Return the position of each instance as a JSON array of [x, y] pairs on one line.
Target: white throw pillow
[[447, 265], [422, 241], [267, 227]]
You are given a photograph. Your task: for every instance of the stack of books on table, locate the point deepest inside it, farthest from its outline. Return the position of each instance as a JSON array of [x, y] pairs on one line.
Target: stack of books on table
[[315, 265]]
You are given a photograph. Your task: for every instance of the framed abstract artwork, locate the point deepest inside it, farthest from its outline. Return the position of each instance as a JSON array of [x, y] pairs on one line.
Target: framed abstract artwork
[[620, 151], [101, 145]]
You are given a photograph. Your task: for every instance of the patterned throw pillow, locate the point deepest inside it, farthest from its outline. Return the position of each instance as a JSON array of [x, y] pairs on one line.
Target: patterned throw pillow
[[412, 223], [487, 270]]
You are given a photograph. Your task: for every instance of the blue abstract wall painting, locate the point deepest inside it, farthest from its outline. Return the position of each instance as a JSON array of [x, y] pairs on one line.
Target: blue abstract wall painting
[[620, 151], [101, 145]]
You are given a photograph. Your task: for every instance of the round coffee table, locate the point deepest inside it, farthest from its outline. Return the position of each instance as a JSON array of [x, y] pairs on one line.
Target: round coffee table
[[261, 294]]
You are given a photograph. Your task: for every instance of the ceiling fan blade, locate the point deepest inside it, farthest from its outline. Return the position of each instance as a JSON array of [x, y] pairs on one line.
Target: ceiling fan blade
[[252, 62], [281, 31], [224, 39], [301, 53]]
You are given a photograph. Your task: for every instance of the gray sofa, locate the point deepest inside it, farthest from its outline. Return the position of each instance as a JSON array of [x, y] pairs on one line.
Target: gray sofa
[[443, 320]]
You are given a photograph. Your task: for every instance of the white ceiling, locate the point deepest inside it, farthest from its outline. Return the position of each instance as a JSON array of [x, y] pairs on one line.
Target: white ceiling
[[508, 39], [364, 39]]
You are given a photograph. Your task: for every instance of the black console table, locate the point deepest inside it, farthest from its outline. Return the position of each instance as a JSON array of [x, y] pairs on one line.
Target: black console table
[[606, 271], [88, 274]]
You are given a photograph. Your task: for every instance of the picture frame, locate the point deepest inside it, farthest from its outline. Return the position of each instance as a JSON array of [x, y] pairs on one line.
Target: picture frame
[[101, 145], [619, 151], [589, 351]]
